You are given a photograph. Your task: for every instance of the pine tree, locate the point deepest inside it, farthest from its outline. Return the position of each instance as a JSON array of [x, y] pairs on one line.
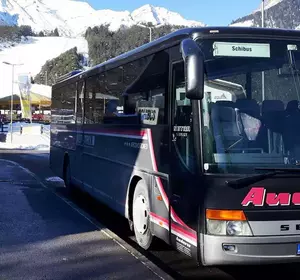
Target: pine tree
[[55, 33]]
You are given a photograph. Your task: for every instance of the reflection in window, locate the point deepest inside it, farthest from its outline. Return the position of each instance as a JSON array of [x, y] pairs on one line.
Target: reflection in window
[[129, 94], [63, 111], [104, 96], [146, 82], [246, 125], [183, 127], [80, 103]]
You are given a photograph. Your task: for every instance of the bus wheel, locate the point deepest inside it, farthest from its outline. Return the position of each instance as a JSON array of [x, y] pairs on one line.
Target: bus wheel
[[141, 216]]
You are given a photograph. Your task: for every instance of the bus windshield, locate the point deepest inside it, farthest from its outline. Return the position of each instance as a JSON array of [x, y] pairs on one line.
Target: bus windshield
[[250, 109]]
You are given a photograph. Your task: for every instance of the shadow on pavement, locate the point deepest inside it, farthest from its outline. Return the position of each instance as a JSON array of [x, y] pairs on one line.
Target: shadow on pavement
[[79, 256]]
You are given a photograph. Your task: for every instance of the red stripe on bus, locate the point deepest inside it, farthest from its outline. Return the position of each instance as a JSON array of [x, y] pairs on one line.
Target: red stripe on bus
[[117, 131], [176, 228], [162, 219], [184, 231]]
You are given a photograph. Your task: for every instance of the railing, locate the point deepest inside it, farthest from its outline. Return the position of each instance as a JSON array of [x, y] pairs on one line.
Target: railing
[[32, 129]]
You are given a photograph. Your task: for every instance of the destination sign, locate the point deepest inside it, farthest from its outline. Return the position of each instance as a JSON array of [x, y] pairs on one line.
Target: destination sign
[[149, 115], [241, 49]]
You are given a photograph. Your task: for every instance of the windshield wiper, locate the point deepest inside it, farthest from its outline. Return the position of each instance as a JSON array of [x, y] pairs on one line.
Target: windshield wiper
[[245, 182], [283, 169]]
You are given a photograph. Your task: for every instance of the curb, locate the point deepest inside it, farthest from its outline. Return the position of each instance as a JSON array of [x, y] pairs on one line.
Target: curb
[[136, 254]]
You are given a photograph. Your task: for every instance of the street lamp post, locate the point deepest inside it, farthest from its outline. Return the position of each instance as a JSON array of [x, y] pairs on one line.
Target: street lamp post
[[263, 13], [11, 98], [150, 29], [263, 25]]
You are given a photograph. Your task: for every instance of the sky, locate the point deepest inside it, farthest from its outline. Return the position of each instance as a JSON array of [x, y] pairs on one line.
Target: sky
[[210, 12]]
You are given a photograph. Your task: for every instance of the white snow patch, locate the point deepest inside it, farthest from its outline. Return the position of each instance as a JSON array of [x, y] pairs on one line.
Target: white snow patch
[[54, 179], [33, 55], [268, 5], [160, 15], [34, 141], [72, 18], [247, 23]]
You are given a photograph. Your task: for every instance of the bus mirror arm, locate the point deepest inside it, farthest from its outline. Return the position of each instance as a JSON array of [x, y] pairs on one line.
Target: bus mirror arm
[[194, 69]]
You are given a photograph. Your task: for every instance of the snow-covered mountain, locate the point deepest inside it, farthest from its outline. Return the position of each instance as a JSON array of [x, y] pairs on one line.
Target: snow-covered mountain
[[278, 14], [72, 18]]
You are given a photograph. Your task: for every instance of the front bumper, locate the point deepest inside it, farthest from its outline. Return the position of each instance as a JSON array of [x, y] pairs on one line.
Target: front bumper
[[249, 250]]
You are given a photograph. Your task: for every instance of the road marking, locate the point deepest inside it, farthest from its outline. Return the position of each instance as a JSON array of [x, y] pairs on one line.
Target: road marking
[[136, 254]]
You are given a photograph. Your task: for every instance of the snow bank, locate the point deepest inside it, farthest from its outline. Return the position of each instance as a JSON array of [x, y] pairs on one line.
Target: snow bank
[[27, 141], [54, 179]]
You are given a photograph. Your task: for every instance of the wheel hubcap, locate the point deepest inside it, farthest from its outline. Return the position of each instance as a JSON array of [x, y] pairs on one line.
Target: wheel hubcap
[[140, 214]]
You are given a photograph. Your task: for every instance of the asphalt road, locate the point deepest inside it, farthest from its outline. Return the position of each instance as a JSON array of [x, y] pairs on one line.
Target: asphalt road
[[170, 261], [43, 237]]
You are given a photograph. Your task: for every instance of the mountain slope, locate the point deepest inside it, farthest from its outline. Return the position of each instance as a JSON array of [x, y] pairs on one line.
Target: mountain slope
[[268, 4], [278, 14], [33, 54], [72, 18]]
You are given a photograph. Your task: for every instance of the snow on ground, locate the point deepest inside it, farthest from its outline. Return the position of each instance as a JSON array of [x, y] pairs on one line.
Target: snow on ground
[[54, 179], [33, 54], [30, 139], [247, 23]]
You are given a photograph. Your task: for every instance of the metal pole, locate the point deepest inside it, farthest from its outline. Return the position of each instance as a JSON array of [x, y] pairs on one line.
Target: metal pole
[[263, 14], [11, 105], [263, 73], [150, 34]]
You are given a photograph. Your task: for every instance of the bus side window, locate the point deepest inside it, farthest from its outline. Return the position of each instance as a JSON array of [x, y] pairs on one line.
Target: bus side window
[[103, 96], [182, 126], [80, 103], [89, 104], [68, 93], [146, 84], [112, 93]]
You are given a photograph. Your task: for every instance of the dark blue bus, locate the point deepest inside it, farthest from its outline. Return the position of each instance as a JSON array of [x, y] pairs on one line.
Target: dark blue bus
[[183, 138]]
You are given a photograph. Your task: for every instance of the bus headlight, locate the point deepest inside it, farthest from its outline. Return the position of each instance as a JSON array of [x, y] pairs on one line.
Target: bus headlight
[[227, 222], [237, 228]]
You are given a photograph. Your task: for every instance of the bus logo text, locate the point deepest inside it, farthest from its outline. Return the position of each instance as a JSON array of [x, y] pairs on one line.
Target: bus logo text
[[136, 145], [259, 197]]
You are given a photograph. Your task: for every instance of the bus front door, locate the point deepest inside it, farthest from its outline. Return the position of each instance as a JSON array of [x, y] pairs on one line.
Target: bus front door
[[183, 200]]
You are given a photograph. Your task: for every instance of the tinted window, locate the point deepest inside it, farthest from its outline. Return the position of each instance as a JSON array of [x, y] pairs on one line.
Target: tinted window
[[104, 96], [80, 102], [63, 107], [146, 87], [129, 93], [113, 93], [182, 127], [250, 122]]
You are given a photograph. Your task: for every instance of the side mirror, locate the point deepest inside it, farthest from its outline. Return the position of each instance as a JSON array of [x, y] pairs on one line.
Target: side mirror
[[194, 69]]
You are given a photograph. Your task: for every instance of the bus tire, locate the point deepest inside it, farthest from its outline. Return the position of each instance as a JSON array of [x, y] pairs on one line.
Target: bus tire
[[141, 215], [67, 176]]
